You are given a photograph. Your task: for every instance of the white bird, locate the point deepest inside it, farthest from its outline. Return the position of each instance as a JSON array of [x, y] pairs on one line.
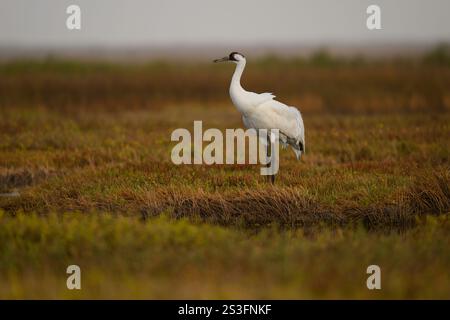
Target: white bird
[[261, 111]]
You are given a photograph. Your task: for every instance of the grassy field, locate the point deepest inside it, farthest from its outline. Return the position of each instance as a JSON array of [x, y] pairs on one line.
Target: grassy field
[[122, 257], [86, 178]]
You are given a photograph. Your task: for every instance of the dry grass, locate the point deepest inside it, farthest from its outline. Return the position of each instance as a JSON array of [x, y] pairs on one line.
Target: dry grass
[[380, 169], [317, 85]]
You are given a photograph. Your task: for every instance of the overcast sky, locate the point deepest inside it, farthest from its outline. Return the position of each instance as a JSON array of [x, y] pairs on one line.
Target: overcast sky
[[209, 22]]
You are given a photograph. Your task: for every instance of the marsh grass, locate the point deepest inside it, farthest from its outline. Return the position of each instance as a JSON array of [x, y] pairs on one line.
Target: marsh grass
[[125, 257], [87, 148], [356, 168]]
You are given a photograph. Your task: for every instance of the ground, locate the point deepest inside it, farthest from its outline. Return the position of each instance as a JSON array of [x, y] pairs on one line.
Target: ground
[[87, 179]]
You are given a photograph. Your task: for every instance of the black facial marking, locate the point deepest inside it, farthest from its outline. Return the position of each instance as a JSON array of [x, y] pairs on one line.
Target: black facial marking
[[232, 58]]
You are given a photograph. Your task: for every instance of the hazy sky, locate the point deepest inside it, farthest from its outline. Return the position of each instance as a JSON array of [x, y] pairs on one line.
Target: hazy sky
[[210, 22]]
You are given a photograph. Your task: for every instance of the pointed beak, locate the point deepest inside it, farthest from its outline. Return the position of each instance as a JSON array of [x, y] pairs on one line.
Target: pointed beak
[[222, 59]]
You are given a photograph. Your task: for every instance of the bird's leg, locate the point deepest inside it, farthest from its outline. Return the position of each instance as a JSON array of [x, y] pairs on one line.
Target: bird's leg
[[270, 177]]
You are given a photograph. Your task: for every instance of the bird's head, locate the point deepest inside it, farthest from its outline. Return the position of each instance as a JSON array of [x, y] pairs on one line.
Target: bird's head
[[234, 57]]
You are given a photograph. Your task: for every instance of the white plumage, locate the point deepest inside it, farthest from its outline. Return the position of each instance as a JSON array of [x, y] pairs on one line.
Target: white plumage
[[261, 111]]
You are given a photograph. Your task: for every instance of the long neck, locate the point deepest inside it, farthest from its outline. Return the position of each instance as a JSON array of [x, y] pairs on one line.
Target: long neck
[[236, 79], [237, 93]]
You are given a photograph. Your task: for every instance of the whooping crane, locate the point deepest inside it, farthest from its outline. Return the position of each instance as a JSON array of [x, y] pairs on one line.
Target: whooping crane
[[261, 111]]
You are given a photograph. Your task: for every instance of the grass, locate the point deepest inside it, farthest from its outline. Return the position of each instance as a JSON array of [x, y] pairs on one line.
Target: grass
[[86, 147], [320, 84], [121, 163], [123, 257]]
